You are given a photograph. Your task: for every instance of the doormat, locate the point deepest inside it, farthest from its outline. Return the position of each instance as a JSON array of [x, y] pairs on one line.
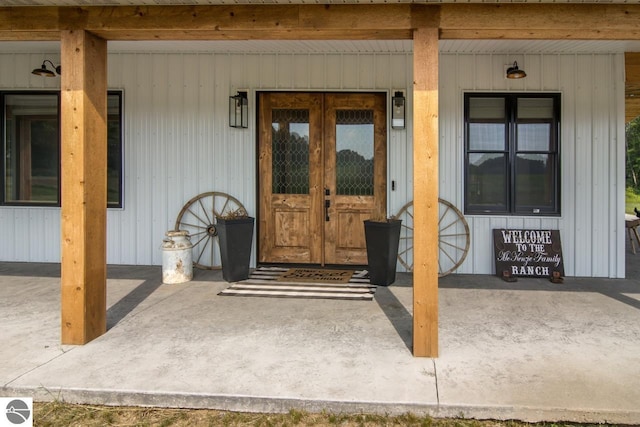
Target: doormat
[[266, 282], [314, 275]]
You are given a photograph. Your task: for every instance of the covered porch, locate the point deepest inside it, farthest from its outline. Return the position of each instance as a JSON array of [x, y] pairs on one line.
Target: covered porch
[[84, 33]]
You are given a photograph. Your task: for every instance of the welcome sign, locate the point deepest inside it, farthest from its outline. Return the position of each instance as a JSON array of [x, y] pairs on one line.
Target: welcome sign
[[529, 253]]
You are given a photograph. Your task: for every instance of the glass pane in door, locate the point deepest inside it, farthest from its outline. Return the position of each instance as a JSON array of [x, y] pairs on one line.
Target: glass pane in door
[[290, 139], [354, 152]]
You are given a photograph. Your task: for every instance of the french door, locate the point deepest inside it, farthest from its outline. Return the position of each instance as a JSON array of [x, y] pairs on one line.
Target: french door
[[322, 172]]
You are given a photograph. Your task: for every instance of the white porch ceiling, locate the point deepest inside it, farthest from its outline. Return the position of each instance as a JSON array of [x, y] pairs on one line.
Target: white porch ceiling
[[343, 46]]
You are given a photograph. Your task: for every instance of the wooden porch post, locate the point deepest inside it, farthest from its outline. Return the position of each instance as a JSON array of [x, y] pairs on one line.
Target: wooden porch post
[[425, 192], [84, 186]]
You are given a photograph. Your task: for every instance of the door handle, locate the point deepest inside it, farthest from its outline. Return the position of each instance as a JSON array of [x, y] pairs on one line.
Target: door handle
[[327, 205]]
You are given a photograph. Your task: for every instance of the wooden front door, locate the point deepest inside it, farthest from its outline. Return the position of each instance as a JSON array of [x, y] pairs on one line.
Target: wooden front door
[[322, 172]]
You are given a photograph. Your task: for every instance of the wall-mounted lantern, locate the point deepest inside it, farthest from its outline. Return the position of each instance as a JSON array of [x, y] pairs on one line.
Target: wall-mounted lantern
[[397, 110], [239, 110], [513, 72]]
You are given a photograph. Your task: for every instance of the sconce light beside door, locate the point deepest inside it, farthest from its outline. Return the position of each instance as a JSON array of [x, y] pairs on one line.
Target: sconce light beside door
[[239, 110], [397, 110], [514, 72], [44, 71]]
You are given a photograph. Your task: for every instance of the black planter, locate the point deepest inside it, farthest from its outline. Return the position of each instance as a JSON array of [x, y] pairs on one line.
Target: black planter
[[383, 238], [235, 237]]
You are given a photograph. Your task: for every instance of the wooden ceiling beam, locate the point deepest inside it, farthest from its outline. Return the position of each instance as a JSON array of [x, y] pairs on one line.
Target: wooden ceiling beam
[[540, 21], [23, 19], [238, 22], [632, 85], [315, 22], [255, 35], [17, 36], [191, 18], [538, 34]]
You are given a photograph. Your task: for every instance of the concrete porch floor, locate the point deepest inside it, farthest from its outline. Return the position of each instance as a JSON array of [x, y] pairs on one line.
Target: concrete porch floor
[[528, 350]]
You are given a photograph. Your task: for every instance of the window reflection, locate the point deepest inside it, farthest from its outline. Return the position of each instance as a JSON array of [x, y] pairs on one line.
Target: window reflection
[[31, 148], [354, 152], [534, 179], [487, 174]]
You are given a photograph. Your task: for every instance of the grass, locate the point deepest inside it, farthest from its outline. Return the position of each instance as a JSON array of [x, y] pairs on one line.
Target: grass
[[632, 200], [63, 414]]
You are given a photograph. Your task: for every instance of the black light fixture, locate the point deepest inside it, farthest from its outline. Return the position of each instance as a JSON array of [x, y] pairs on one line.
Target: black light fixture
[[239, 110], [44, 71], [514, 72], [397, 110]]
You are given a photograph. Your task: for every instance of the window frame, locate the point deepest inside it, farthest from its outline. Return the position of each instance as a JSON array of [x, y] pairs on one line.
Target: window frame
[[40, 204], [3, 149], [120, 203], [511, 151]]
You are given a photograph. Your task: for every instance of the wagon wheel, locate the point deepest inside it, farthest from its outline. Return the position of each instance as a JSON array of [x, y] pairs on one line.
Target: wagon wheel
[[198, 217], [453, 237]]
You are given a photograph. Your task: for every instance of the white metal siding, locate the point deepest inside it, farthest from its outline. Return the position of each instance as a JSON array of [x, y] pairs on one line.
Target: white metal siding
[[177, 143]]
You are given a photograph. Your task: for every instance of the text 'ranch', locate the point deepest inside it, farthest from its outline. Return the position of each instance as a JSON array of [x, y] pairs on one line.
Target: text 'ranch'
[[535, 253]]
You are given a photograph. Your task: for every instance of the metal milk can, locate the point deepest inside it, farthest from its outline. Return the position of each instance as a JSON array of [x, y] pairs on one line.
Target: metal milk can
[[177, 266]]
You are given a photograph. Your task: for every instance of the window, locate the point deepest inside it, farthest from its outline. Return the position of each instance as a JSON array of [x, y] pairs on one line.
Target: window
[[31, 148], [511, 153]]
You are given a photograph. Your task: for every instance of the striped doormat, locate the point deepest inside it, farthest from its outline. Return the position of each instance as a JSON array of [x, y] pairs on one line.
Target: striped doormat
[[267, 282]]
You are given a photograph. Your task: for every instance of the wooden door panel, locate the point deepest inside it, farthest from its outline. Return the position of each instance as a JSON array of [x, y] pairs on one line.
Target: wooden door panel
[[346, 163], [294, 237], [290, 224], [355, 199], [350, 234], [350, 241], [291, 227]]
